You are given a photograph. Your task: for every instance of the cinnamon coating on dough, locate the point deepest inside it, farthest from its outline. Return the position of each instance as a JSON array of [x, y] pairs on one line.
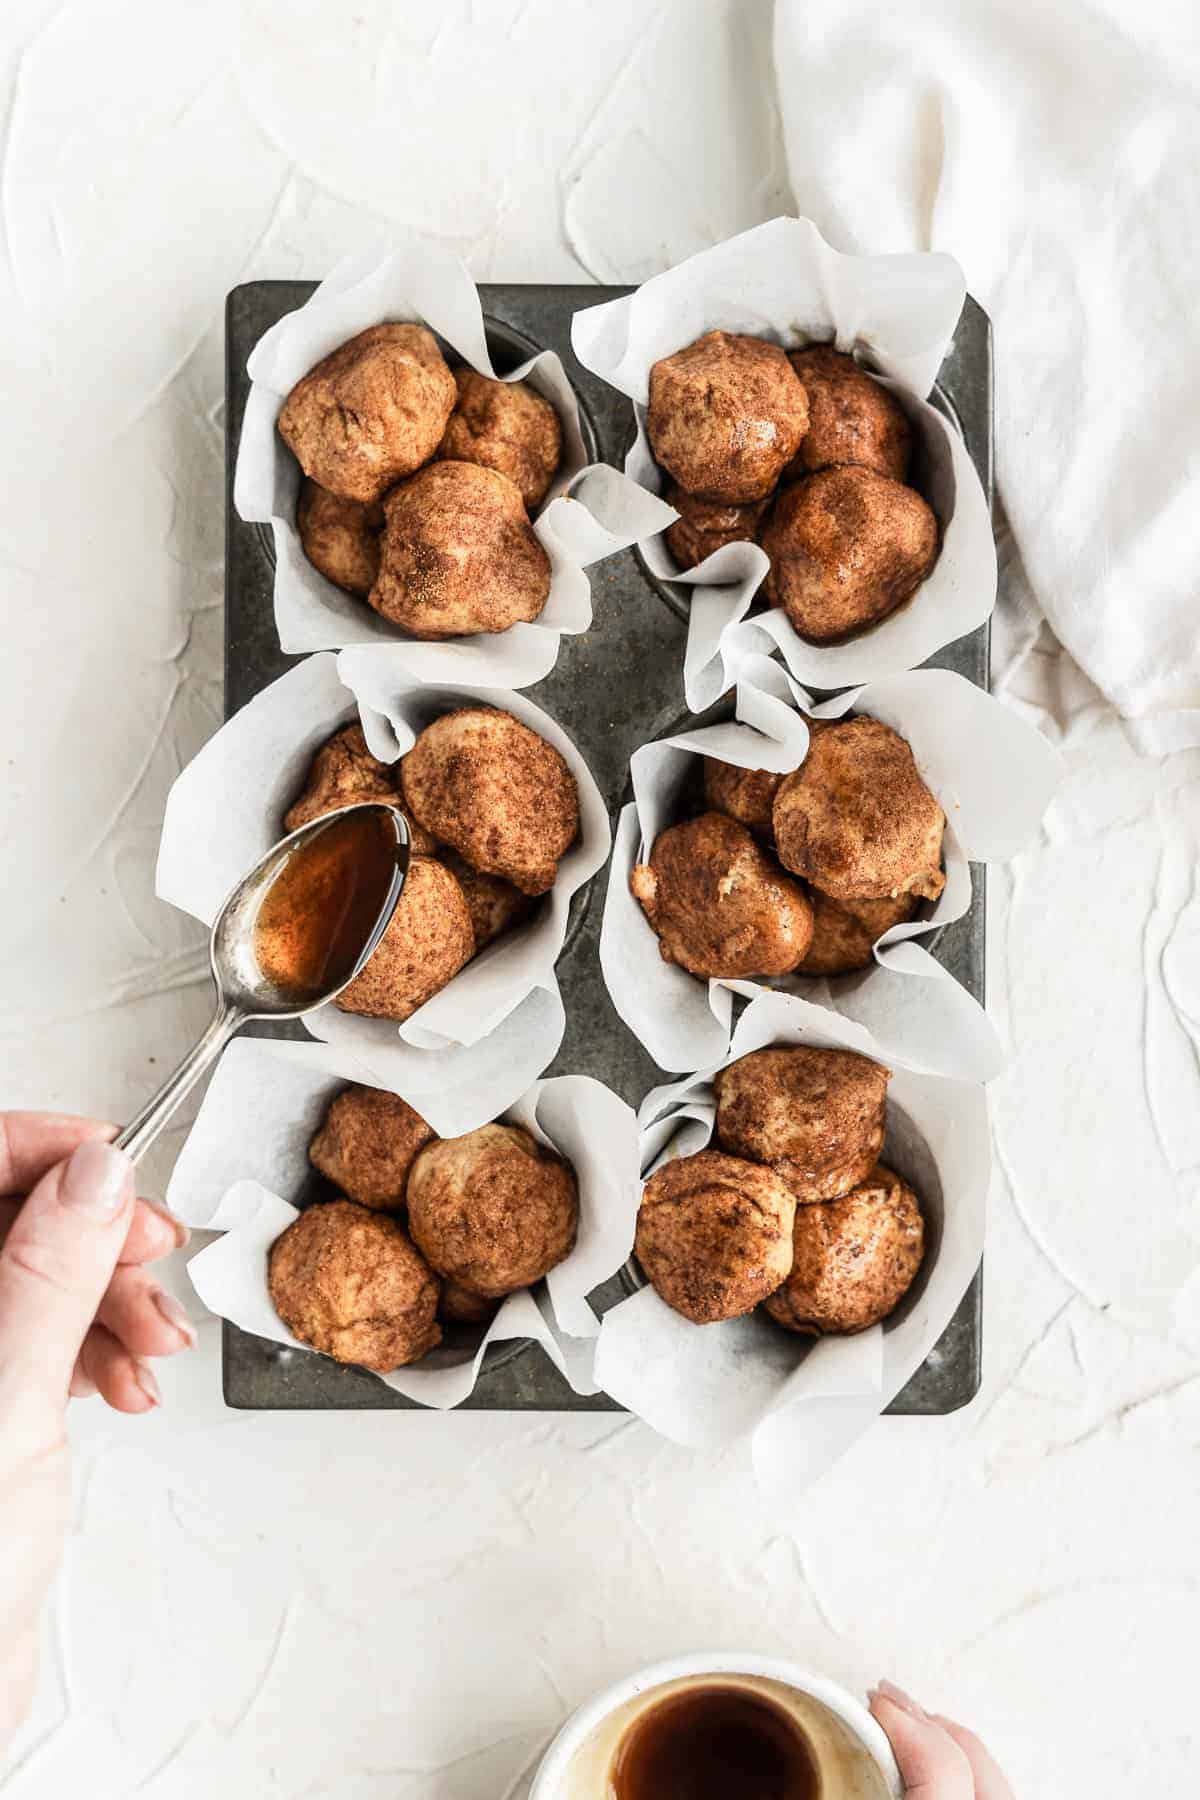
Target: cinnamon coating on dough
[[845, 932], [343, 773], [747, 795], [718, 904], [714, 1235], [854, 1259], [350, 1282], [856, 820], [504, 798], [427, 941], [458, 554], [852, 418], [707, 525], [367, 1143], [459, 1306], [339, 537], [492, 1211], [507, 426], [815, 1116], [494, 904], [847, 547], [726, 416], [370, 412]]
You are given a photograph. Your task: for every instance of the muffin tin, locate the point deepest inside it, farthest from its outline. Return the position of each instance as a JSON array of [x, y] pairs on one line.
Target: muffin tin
[[613, 688]]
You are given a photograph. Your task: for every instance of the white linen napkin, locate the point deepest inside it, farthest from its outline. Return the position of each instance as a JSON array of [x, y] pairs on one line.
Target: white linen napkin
[[1052, 150]]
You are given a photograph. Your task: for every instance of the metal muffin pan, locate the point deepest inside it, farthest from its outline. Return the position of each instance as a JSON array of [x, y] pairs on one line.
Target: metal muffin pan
[[612, 688]]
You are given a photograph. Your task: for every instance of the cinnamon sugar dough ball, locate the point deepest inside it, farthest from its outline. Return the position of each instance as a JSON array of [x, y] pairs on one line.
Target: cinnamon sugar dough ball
[[366, 1145], [852, 418], [707, 525], [370, 412], [343, 773], [747, 795], [856, 819], [340, 537], [350, 1282], [719, 906], [847, 547], [726, 416], [427, 941], [494, 904], [507, 426], [492, 1211], [845, 932], [494, 790], [815, 1116], [458, 554], [853, 1260], [714, 1235]]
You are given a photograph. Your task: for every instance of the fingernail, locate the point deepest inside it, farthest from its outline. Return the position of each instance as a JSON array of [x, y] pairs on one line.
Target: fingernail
[[887, 1690], [175, 1315], [97, 1181], [143, 1374]]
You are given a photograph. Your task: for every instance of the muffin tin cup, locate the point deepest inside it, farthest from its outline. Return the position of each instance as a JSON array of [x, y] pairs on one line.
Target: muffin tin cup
[[961, 739], [898, 314], [802, 1401], [244, 1172], [470, 1050], [590, 512]]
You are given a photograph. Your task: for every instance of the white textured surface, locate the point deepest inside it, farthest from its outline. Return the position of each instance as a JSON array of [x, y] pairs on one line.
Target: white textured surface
[[371, 1608]]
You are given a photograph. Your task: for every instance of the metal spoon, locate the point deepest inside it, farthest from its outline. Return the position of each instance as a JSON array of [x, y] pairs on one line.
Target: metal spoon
[[244, 990]]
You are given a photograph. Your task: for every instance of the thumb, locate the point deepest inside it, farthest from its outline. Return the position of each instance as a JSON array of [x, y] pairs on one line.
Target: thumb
[[55, 1264], [931, 1763]]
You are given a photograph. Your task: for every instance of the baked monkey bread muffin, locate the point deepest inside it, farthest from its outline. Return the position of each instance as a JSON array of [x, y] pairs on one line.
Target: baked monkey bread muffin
[[427, 941], [714, 1235], [726, 415], [852, 418], [815, 1116], [506, 426], [367, 1143], [350, 1282], [370, 412], [340, 537], [458, 554], [492, 1211], [853, 1260]]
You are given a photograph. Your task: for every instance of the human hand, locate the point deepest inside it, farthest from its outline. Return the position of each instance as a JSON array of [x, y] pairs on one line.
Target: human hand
[[78, 1314], [938, 1759]]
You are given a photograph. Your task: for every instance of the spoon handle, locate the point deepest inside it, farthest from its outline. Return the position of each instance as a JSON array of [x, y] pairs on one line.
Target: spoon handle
[[140, 1133]]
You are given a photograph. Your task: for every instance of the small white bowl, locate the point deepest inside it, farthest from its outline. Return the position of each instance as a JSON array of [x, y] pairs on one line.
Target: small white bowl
[[553, 1778]]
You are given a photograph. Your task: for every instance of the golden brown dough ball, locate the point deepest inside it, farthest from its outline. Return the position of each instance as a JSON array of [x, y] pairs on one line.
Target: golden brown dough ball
[[366, 1145], [427, 941], [856, 819], [726, 416], [458, 554], [845, 932], [507, 426], [718, 905], [459, 1306], [370, 412], [339, 537], [707, 525], [494, 904], [350, 1282], [714, 1235], [847, 547], [747, 795], [492, 1211], [854, 1259], [852, 418], [814, 1116], [503, 797], [343, 773]]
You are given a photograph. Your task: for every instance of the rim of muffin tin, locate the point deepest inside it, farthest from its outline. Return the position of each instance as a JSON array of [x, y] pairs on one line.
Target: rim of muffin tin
[[678, 595], [509, 349]]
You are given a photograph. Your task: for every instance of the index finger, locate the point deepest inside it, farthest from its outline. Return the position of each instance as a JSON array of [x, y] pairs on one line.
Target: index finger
[[933, 1766], [990, 1781], [32, 1142]]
